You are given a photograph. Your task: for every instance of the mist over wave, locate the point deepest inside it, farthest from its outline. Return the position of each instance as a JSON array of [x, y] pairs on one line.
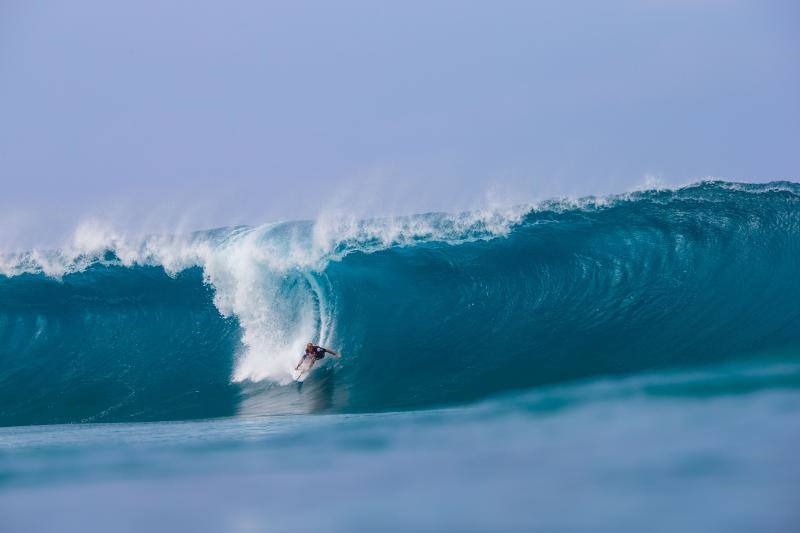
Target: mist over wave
[[427, 309]]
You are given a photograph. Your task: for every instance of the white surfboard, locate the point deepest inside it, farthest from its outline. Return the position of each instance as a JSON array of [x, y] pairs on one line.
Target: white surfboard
[[304, 370]]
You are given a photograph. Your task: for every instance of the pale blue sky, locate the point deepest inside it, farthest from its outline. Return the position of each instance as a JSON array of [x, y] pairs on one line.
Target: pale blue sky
[[249, 111]]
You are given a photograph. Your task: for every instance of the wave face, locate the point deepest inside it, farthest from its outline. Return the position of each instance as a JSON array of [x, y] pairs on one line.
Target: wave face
[[427, 310]]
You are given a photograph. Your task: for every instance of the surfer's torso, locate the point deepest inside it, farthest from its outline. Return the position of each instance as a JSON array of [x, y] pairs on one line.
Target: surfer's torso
[[317, 352]]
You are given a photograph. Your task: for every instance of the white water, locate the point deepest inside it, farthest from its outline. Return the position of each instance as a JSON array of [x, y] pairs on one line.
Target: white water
[[270, 277]]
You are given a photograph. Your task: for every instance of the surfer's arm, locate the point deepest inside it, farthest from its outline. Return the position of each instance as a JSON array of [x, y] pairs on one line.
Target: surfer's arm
[[335, 354], [301, 361]]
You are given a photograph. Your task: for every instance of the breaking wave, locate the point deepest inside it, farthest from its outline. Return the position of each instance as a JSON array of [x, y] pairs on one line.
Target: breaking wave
[[427, 309]]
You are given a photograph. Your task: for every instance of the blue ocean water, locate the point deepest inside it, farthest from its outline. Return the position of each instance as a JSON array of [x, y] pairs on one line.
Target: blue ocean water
[[620, 363]]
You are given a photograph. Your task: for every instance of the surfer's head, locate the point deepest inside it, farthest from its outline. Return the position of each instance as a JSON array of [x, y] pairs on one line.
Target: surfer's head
[[309, 347]]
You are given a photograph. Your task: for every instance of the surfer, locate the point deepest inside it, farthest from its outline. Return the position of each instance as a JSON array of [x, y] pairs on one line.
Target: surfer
[[315, 353]]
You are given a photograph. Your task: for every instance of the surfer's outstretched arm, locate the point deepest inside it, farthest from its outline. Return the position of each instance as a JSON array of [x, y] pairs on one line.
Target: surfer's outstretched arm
[[301, 362], [335, 354]]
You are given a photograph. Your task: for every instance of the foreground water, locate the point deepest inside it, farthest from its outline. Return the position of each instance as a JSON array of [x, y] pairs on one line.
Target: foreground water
[[714, 449]]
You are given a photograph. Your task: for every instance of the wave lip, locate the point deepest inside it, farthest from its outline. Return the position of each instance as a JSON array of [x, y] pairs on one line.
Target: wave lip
[[427, 309]]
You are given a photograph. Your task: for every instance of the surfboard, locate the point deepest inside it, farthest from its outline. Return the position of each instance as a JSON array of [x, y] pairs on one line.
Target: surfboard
[[305, 369]]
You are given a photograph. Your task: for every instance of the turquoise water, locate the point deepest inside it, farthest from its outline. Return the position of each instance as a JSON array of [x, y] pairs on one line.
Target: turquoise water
[[668, 452], [617, 364]]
